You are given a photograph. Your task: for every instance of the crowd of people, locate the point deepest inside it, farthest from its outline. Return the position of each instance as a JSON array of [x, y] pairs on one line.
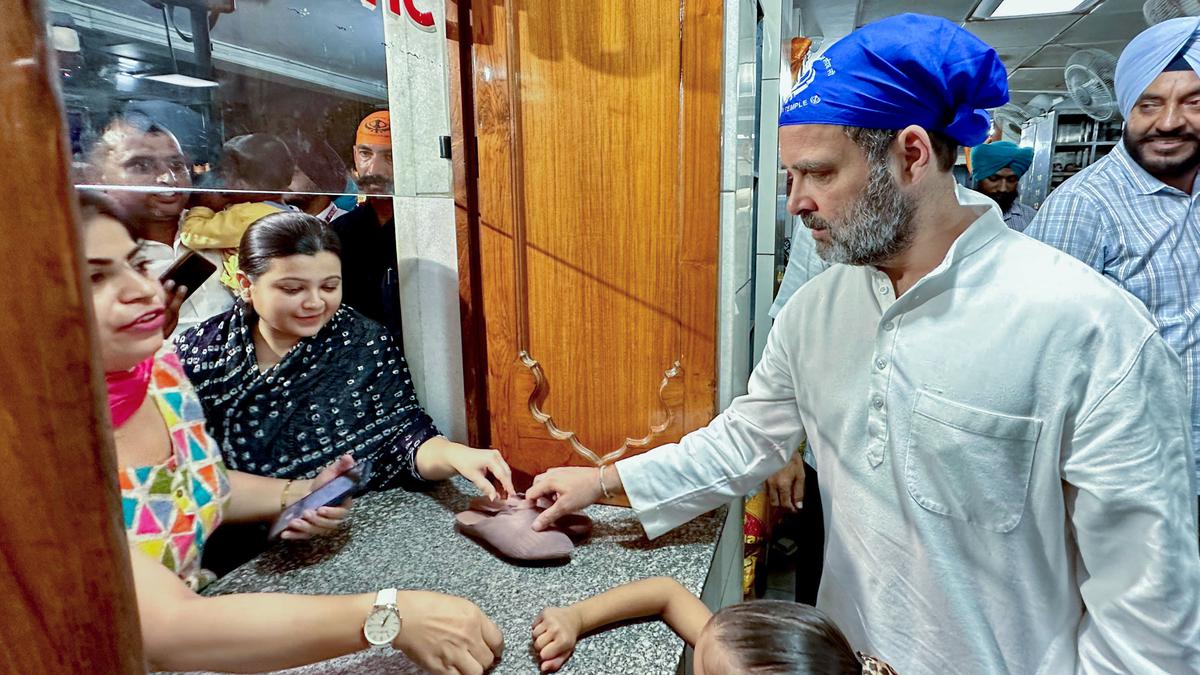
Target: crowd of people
[[1005, 435]]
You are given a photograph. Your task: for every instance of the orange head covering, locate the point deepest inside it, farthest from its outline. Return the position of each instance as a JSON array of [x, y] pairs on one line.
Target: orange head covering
[[375, 129]]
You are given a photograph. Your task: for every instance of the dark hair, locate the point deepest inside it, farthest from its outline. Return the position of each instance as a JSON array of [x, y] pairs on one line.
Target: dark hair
[[283, 234], [261, 161], [776, 637], [875, 143], [106, 141], [93, 203], [320, 162]]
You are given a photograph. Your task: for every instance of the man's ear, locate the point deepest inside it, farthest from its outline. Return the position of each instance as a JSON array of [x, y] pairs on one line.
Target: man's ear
[[917, 159]]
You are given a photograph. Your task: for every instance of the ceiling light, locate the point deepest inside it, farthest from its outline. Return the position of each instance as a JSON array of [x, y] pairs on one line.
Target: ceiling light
[[180, 80], [1011, 9]]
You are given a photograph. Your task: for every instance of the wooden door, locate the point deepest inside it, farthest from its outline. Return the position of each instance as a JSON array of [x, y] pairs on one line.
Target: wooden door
[[598, 146], [67, 602]]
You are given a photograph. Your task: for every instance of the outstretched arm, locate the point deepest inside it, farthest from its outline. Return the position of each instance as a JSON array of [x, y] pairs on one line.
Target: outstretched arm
[[557, 628], [440, 458], [708, 467], [256, 632]]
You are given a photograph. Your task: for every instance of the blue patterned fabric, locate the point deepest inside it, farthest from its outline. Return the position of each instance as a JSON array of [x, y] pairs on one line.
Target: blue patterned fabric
[[880, 77], [345, 389]]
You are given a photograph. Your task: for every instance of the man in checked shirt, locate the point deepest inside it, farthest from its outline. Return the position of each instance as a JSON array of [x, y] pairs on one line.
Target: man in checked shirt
[[1132, 215]]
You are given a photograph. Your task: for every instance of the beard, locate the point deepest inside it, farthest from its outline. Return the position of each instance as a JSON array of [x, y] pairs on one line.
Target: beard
[[374, 185], [1004, 199], [877, 227], [1163, 167]]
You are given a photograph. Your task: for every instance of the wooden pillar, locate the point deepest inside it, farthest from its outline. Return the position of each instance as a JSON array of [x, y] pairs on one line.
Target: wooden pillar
[[67, 594]]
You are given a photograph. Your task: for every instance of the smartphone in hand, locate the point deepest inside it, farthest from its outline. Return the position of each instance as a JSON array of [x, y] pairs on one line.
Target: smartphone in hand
[[334, 492], [190, 271]]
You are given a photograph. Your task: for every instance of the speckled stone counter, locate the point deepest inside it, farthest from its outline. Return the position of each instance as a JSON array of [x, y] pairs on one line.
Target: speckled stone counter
[[408, 540]]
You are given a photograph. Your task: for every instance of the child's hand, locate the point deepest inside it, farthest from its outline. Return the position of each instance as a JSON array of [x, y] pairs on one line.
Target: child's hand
[[554, 635]]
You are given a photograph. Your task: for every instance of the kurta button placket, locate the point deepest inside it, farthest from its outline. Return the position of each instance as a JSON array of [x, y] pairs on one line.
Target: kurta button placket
[[877, 425]]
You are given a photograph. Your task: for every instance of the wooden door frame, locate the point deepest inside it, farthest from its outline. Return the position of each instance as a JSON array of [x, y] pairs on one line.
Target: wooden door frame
[[68, 596], [465, 160]]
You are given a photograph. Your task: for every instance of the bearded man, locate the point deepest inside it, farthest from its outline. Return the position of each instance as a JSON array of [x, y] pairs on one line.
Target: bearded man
[[996, 170], [370, 280], [1001, 435], [1132, 215]]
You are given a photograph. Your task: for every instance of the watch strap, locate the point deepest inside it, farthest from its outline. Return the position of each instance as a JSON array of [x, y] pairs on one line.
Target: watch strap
[[385, 597]]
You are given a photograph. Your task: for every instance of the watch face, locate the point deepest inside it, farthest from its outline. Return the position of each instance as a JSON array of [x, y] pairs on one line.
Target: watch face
[[382, 626]]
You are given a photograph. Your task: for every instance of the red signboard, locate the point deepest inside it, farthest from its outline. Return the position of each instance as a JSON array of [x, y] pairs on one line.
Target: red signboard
[[422, 20]]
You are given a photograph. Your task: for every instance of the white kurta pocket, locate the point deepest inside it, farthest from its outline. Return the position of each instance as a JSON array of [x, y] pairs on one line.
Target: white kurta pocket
[[970, 464]]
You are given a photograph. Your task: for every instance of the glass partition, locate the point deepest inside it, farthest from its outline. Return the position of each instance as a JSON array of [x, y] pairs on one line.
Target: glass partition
[[256, 96]]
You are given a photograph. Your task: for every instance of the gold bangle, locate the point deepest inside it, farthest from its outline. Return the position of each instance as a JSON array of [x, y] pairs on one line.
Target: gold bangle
[[283, 498]]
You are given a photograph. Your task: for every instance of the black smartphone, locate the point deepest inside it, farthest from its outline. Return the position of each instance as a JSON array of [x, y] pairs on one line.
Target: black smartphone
[[190, 271], [333, 492]]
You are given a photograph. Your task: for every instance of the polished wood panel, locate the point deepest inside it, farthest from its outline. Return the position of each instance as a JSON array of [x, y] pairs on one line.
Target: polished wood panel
[[598, 130], [67, 598]]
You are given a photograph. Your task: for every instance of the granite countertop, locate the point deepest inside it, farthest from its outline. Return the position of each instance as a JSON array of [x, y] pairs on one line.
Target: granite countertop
[[408, 540]]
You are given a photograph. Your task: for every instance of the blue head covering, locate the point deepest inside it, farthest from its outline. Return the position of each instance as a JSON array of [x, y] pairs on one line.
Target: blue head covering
[[902, 70], [1148, 55], [987, 160]]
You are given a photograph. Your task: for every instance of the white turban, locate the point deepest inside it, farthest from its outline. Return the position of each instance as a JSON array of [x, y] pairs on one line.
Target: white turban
[[1148, 54]]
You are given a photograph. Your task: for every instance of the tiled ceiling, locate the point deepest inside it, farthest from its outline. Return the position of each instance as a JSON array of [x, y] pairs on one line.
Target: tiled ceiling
[[1035, 49]]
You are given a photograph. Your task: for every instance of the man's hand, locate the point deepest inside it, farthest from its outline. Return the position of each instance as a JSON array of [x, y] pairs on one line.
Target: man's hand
[[786, 487], [446, 634], [571, 488], [175, 296]]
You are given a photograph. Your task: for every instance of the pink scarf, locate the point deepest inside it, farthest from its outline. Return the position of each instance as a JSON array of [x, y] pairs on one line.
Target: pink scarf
[[127, 390]]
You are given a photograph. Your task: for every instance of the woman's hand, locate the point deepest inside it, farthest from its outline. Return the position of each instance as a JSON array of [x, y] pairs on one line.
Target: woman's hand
[[446, 634], [554, 634], [326, 519], [479, 467], [439, 458]]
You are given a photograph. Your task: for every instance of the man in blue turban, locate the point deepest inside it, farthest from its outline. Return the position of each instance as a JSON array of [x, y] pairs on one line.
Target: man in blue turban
[[1132, 215], [996, 169], [1000, 434]]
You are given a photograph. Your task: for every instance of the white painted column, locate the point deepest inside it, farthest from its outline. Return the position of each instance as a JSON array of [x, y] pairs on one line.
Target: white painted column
[[426, 241], [735, 288]]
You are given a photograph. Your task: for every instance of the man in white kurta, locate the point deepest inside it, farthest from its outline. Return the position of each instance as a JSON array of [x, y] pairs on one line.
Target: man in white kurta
[[1003, 463], [1002, 436]]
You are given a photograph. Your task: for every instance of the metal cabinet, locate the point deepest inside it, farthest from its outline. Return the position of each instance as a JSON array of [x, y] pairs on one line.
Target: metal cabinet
[[1063, 143]]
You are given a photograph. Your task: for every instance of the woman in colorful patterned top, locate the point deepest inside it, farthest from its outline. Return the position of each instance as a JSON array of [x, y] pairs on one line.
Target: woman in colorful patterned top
[[290, 378], [175, 491]]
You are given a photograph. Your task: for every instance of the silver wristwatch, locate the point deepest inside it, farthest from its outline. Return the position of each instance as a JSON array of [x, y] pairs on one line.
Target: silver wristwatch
[[383, 623]]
